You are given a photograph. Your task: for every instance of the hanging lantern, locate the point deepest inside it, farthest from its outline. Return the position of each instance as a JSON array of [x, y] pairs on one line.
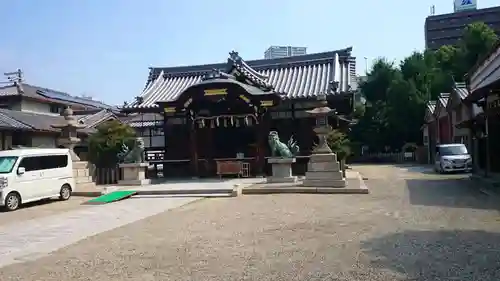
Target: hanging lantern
[[237, 123], [203, 123], [225, 122], [212, 123], [217, 122], [232, 120]]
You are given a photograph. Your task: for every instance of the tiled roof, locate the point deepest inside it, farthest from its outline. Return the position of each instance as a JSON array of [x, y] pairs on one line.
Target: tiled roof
[[40, 122], [291, 77], [461, 90], [443, 99], [10, 90], [92, 120], [144, 120], [33, 121], [431, 106], [7, 122], [49, 95]]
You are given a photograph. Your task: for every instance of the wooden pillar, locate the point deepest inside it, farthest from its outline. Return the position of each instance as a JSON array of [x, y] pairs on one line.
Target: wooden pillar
[[209, 148], [192, 146], [487, 140], [262, 130], [164, 139], [3, 141]]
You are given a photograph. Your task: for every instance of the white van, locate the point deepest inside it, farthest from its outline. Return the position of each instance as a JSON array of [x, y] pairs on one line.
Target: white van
[[31, 174]]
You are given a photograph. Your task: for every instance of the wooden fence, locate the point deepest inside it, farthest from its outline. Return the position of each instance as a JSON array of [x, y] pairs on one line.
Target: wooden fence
[[105, 176], [389, 157]]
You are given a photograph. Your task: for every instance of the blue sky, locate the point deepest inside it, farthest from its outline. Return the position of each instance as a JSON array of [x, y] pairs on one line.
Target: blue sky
[[103, 48]]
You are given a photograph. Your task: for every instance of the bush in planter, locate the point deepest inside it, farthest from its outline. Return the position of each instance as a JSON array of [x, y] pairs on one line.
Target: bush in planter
[[107, 142]]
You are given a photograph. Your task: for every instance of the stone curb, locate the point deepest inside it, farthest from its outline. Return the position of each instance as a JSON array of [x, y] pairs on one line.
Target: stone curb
[[185, 192], [303, 190]]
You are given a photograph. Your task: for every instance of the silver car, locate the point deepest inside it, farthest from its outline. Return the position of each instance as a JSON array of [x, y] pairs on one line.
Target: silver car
[[452, 158]]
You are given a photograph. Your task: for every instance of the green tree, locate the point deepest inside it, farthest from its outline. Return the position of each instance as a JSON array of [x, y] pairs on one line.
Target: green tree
[[476, 43], [107, 142], [339, 143], [396, 95]]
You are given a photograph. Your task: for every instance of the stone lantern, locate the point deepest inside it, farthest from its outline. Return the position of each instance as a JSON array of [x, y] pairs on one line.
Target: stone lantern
[[322, 128], [323, 169], [69, 138]]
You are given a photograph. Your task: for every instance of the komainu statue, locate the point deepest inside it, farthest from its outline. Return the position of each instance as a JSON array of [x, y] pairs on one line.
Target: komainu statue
[[279, 149], [134, 155]]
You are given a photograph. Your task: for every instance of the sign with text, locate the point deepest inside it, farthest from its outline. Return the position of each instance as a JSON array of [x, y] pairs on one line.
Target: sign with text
[[464, 5], [216, 92]]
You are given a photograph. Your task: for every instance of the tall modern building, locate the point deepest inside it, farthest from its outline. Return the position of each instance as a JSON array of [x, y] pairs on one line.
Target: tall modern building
[[275, 52], [352, 71], [447, 29]]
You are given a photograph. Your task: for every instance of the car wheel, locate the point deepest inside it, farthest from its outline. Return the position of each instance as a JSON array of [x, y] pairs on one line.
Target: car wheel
[[12, 201], [65, 192]]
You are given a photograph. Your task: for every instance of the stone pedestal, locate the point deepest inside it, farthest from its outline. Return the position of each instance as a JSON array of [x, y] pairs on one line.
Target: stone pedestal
[[134, 174], [282, 170], [85, 186], [323, 170]]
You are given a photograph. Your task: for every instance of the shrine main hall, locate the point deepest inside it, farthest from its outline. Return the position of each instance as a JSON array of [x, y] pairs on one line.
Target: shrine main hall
[[200, 117]]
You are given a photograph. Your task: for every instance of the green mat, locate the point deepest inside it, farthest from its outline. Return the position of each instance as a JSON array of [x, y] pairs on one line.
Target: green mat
[[112, 197]]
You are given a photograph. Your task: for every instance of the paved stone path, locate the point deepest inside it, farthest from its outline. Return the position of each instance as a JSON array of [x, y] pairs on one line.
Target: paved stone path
[[414, 225], [32, 239]]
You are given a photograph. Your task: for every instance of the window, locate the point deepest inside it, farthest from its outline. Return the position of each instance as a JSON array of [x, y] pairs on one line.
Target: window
[[54, 108], [7, 163], [453, 150], [35, 163]]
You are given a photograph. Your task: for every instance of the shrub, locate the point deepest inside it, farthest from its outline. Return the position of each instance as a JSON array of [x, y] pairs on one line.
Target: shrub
[[107, 142]]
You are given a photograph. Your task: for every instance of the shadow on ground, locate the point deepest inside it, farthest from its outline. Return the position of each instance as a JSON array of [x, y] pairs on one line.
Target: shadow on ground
[[34, 204], [457, 193], [438, 255], [417, 168]]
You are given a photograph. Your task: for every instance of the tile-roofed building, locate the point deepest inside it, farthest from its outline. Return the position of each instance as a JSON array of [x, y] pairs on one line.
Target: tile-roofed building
[[91, 120], [48, 95], [9, 123], [443, 99], [431, 106], [461, 90], [143, 120], [294, 77]]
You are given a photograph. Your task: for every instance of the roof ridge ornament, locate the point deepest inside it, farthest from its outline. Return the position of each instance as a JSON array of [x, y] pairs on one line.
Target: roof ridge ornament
[[216, 74], [242, 68]]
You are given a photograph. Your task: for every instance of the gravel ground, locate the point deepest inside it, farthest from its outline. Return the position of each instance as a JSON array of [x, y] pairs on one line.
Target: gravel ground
[[413, 226], [41, 209]]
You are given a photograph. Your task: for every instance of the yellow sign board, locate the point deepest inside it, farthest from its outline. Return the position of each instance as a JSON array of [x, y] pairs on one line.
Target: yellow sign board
[[216, 92], [266, 103], [169, 109]]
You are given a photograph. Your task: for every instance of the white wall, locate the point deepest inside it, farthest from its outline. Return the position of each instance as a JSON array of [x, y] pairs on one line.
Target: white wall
[[465, 116], [8, 140], [35, 107], [43, 141]]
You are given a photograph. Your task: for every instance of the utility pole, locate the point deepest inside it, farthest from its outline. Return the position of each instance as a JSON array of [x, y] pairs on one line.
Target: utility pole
[[366, 66], [15, 77]]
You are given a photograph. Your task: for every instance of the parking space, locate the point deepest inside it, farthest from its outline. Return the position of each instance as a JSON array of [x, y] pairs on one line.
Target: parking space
[[41, 209]]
